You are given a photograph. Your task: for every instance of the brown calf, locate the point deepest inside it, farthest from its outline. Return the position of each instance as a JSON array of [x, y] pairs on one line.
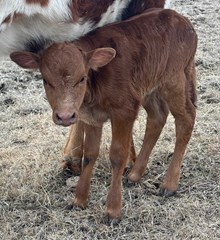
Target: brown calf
[[147, 60]]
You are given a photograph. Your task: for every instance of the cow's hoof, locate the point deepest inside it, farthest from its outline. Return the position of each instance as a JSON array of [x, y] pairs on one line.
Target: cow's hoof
[[74, 206], [110, 221], [134, 177], [74, 165], [129, 183], [70, 207], [166, 193]]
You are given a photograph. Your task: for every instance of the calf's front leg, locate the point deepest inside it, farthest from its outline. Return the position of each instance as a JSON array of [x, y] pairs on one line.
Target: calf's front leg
[[74, 150], [91, 152], [119, 152]]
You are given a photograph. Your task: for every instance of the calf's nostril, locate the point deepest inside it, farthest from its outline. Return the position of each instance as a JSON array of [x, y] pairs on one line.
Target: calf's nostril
[[73, 116], [58, 117]]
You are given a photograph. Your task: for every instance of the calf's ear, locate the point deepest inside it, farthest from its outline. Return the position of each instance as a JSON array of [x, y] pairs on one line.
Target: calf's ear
[[100, 57], [26, 59]]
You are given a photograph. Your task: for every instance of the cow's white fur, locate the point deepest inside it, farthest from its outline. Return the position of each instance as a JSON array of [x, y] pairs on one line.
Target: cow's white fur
[[57, 10], [50, 22], [113, 12], [20, 32], [168, 4]]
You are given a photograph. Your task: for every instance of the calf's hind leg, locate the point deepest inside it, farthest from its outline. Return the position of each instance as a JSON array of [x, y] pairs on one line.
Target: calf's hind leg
[[73, 151], [182, 107], [157, 111]]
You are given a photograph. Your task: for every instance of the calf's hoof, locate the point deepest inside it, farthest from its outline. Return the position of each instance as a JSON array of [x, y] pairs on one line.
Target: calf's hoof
[[129, 183], [134, 177], [166, 192], [76, 205], [82, 204], [72, 164], [72, 207], [110, 221], [69, 207]]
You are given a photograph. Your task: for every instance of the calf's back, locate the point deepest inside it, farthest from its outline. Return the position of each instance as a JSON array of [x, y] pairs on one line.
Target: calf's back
[[150, 50]]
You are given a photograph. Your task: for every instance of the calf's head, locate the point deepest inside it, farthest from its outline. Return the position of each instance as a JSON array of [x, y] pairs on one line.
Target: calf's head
[[64, 68]]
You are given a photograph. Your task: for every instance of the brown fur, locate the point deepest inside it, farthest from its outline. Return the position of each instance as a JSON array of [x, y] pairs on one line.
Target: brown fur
[[153, 67], [43, 3], [14, 18], [7, 19], [93, 10]]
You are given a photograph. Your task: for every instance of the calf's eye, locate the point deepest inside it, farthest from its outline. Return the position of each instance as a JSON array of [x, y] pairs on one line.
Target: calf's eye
[[82, 79]]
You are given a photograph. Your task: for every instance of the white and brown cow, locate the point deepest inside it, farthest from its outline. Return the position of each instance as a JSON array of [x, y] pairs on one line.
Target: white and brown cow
[[33, 24]]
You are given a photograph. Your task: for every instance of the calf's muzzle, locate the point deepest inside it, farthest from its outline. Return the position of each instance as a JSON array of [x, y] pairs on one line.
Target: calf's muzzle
[[64, 118]]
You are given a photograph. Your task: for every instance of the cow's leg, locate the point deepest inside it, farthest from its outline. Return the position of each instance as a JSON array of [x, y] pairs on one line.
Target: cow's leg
[[182, 107], [119, 152], [73, 151], [157, 112], [91, 152]]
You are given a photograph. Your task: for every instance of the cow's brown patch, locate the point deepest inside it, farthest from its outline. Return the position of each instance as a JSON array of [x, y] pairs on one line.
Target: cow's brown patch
[[7, 19], [43, 3], [89, 10], [15, 17]]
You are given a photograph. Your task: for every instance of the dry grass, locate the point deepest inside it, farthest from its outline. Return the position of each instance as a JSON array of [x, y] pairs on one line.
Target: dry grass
[[33, 189]]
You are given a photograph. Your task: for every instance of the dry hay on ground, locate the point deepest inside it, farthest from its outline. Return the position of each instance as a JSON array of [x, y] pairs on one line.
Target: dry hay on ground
[[33, 189]]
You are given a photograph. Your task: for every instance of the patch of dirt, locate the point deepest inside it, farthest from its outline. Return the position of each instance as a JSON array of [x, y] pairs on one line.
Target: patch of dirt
[[33, 189]]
